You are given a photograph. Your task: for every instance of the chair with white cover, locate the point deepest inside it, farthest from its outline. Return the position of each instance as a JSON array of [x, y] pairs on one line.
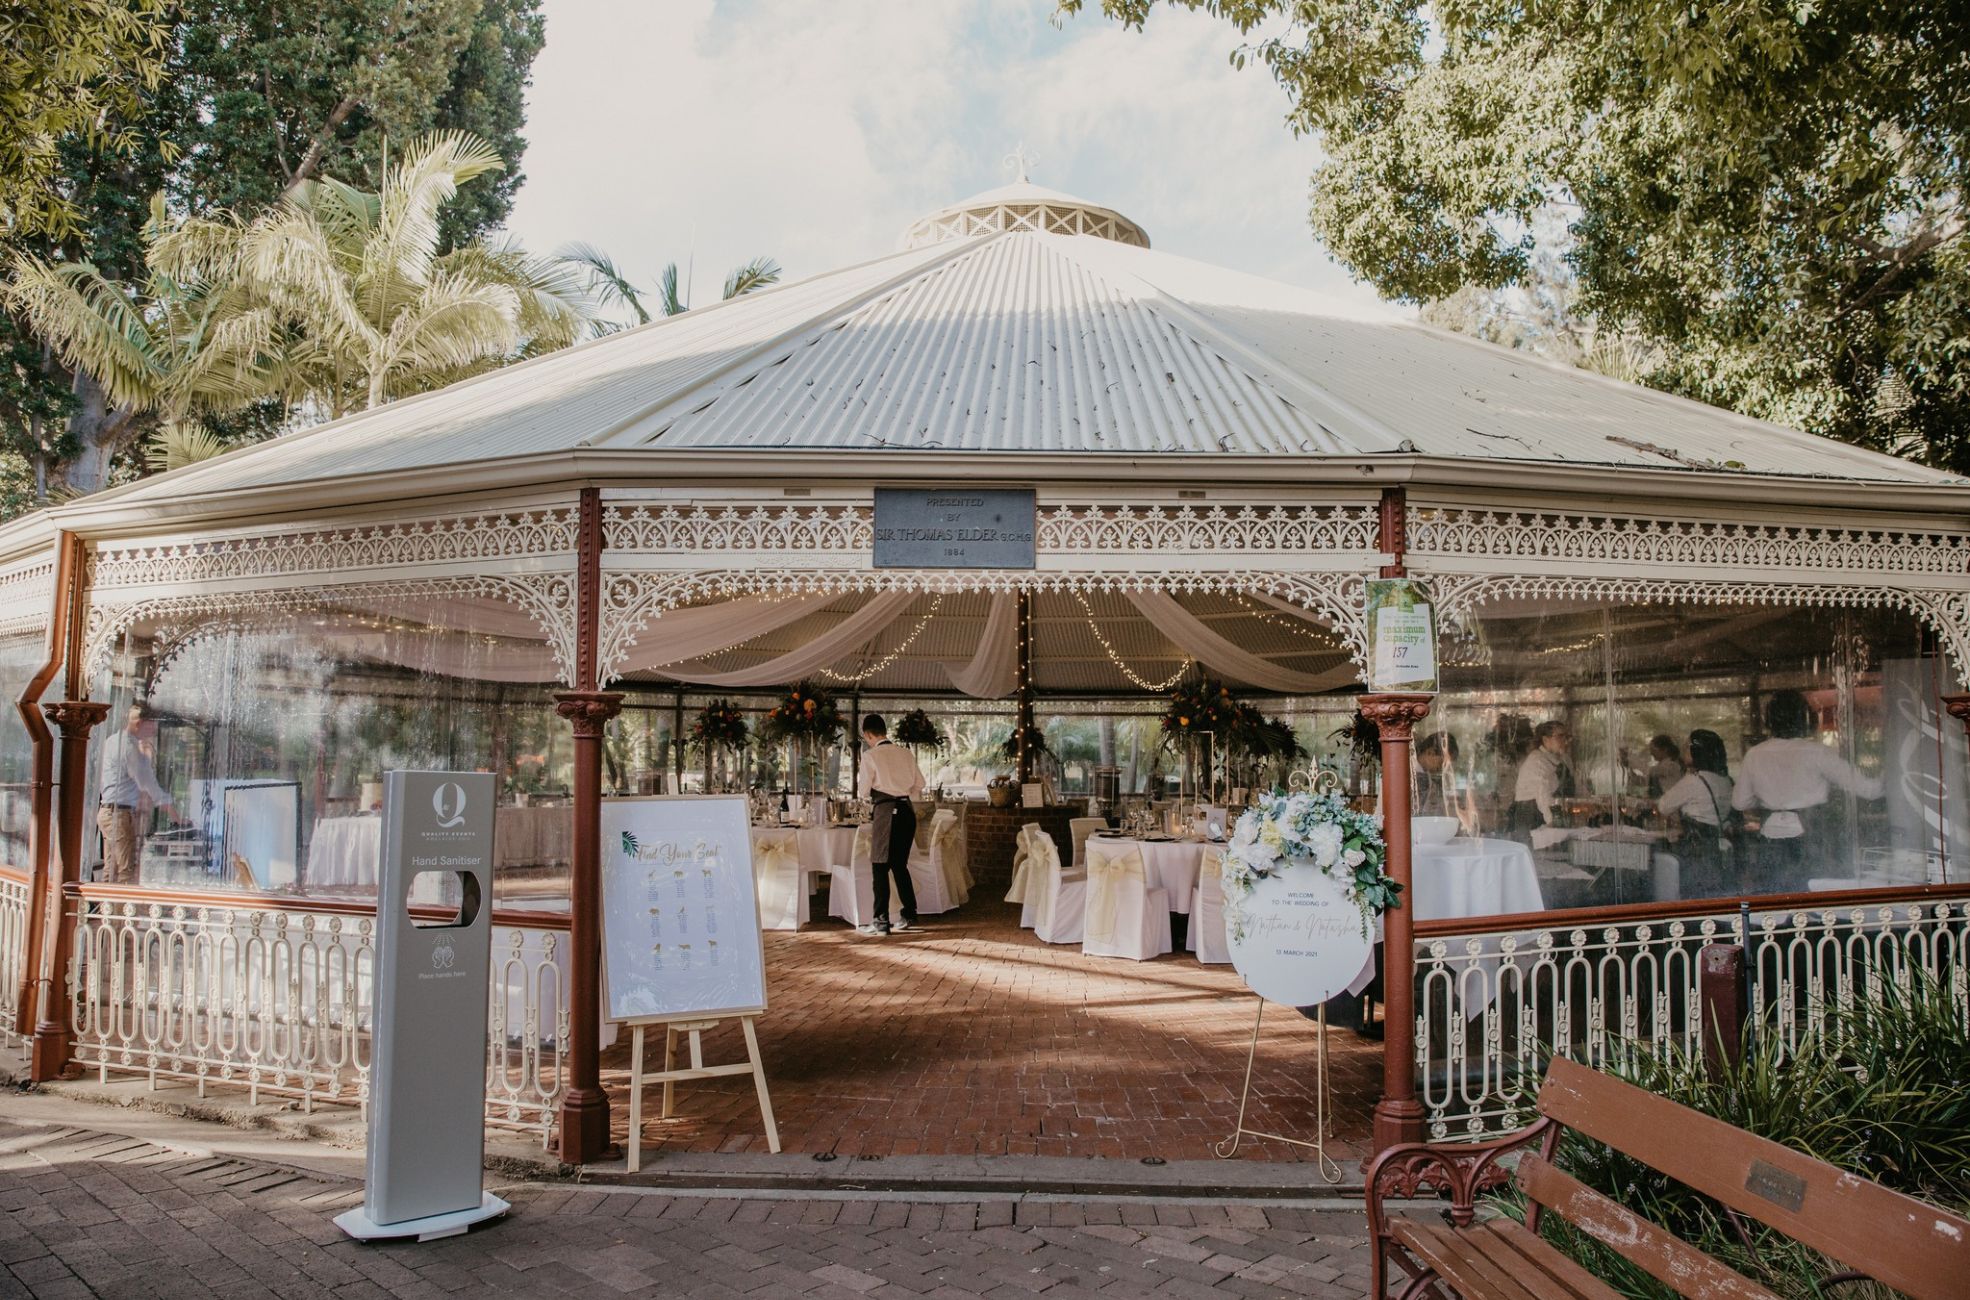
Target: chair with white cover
[[1206, 937], [1080, 828], [927, 876], [1063, 909], [1025, 874], [1125, 917], [944, 857], [852, 886], [779, 880]]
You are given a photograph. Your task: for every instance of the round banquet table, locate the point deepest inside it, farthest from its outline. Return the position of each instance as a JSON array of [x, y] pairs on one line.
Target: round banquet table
[[1472, 878], [1173, 864]]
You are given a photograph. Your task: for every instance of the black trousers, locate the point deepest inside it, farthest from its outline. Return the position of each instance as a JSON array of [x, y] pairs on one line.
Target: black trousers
[[892, 832]]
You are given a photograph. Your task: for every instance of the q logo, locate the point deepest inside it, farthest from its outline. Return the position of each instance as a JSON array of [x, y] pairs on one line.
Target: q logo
[[448, 801]]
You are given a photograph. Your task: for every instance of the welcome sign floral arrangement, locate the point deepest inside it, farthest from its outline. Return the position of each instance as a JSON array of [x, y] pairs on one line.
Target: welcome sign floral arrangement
[[1318, 830]]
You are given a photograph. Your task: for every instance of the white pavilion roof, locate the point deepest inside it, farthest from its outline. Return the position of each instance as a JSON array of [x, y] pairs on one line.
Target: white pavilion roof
[[1001, 336]]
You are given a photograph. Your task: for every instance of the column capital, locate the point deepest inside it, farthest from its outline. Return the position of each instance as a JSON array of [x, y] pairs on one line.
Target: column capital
[[76, 718], [588, 710], [1958, 707], [1395, 715]]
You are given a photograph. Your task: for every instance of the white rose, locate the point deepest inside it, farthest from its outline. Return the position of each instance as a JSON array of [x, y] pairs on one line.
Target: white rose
[[1324, 845], [1354, 857]]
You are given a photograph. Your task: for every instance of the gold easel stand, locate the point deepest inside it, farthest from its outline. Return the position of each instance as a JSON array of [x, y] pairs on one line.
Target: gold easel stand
[[670, 1077], [1329, 1171]]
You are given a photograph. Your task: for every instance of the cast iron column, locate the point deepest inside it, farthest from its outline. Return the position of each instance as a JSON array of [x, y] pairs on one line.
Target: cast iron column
[[1398, 1115], [584, 1106], [76, 718]]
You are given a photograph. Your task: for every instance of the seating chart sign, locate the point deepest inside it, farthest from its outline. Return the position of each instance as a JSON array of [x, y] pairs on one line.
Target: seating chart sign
[[680, 920], [1296, 938]]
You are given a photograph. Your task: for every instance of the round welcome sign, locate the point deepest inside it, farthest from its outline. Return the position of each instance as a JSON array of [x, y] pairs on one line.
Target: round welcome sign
[[1296, 937]]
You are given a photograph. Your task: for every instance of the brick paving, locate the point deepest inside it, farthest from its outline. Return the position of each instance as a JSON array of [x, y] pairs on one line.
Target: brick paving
[[87, 1214], [972, 1037]]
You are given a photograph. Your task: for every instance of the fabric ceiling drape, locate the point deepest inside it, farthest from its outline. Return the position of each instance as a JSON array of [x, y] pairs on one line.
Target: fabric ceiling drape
[[698, 630], [823, 651], [993, 671], [1191, 636]]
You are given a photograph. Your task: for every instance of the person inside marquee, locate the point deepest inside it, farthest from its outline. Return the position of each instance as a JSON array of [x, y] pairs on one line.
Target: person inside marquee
[[890, 778], [128, 781]]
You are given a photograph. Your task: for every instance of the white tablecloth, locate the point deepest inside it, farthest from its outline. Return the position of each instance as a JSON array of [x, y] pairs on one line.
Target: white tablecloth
[[820, 846], [1173, 864], [345, 851], [1472, 878], [1465, 878]]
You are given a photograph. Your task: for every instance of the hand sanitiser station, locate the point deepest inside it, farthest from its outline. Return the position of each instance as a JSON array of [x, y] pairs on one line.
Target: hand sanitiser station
[[428, 1077]]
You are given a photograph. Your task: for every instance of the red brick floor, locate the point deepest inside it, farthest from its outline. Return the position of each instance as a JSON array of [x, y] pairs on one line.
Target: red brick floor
[[972, 1037]]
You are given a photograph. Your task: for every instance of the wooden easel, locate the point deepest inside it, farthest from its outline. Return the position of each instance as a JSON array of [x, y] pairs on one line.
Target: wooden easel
[[669, 1076]]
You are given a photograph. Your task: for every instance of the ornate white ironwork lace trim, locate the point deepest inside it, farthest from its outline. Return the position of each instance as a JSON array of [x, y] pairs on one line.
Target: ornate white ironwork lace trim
[[27, 593], [1062, 530], [1947, 612], [548, 598], [513, 535], [1609, 539]]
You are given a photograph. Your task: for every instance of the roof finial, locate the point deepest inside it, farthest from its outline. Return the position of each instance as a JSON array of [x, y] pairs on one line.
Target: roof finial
[[1019, 160]]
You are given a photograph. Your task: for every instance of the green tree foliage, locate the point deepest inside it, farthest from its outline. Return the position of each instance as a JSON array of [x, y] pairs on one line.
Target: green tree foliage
[[68, 68], [254, 99], [337, 299], [1772, 193], [612, 287]]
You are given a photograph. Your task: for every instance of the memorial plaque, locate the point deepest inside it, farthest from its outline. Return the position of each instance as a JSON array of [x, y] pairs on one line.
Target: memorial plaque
[[954, 528]]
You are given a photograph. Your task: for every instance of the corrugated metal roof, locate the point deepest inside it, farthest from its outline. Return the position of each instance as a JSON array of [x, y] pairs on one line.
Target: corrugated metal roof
[[1036, 343]]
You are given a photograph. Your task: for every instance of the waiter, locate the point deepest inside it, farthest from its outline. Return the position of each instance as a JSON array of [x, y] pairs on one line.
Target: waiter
[[127, 779], [890, 777], [1544, 778], [1787, 782]]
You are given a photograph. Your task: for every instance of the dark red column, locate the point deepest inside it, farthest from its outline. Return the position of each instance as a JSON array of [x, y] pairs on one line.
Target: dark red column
[[75, 718], [1398, 1115], [584, 1106]]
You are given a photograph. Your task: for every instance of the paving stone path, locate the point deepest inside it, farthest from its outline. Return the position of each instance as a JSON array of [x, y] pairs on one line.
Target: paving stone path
[[86, 1214]]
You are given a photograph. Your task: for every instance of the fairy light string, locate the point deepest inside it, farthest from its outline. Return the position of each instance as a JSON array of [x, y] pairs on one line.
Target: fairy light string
[[890, 658], [1116, 659]]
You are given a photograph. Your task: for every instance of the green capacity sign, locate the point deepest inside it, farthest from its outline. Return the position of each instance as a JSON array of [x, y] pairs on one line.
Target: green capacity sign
[[1401, 636]]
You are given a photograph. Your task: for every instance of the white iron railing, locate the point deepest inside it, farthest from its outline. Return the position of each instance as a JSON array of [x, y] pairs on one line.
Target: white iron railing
[[13, 949], [278, 999], [1491, 1003]]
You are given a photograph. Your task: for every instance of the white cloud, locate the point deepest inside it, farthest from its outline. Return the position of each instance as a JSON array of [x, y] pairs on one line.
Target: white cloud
[[814, 133]]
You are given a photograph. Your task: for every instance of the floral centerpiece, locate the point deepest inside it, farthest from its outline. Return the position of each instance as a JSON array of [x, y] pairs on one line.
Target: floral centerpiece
[[805, 713], [719, 725], [1320, 830], [916, 730], [1201, 704], [1036, 745]]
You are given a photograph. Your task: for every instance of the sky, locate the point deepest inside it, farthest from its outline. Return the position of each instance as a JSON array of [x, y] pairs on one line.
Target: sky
[[712, 131]]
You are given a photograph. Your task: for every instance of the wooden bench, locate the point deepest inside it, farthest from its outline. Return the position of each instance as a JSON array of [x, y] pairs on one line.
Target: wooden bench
[[1894, 1239]]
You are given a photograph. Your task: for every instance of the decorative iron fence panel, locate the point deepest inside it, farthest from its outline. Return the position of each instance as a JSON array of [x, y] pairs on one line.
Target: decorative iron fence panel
[[280, 1002], [13, 950], [1491, 1005]]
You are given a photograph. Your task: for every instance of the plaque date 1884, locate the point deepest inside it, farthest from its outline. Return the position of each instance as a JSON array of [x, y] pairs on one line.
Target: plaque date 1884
[[985, 528]]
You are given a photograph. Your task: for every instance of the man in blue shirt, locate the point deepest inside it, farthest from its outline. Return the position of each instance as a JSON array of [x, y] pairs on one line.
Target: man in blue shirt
[[127, 779]]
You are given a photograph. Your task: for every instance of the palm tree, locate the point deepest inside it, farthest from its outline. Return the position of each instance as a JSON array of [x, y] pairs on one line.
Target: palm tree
[[334, 301], [609, 286]]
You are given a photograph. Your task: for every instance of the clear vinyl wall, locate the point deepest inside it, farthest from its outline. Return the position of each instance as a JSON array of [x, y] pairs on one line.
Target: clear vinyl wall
[[1677, 751], [20, 658], [251, 755]]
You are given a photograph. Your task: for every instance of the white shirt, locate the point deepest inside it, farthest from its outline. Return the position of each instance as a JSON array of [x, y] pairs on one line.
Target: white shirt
[[889, 768], [127, 774], [1539, 780], [1797, 773], [1698, 797]]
